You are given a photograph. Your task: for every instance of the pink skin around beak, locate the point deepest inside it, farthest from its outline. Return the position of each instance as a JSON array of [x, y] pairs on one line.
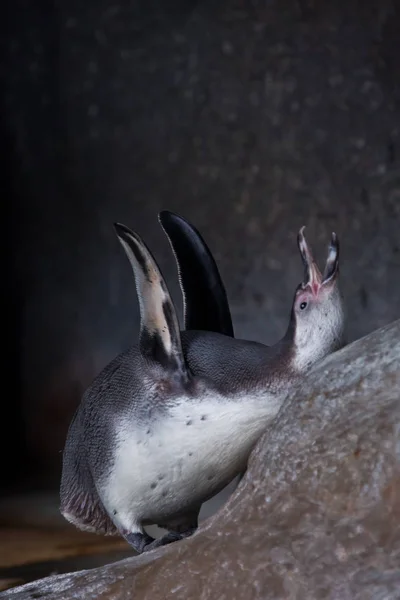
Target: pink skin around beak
[[312, 275]]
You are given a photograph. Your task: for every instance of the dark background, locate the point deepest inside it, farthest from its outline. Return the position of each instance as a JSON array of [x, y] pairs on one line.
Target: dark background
[[249, 118]]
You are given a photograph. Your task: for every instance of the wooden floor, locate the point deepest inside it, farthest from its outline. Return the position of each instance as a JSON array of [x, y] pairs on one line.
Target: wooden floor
[[35, 541]]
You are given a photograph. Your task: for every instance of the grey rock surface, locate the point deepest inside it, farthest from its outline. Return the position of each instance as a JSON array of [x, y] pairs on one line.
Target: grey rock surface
[[316, 516]]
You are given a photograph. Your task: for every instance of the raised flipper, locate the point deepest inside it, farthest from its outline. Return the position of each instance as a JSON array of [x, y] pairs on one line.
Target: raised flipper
[[159, 339], [206, 305]]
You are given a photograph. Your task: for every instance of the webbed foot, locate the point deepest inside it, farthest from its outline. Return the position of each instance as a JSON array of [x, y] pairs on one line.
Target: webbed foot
[[142, 542]]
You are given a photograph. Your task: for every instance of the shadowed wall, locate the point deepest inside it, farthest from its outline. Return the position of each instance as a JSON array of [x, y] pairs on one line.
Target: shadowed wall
[[249, 118]]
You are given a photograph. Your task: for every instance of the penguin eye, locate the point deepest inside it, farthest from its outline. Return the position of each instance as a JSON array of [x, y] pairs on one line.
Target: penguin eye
[[303, 305]]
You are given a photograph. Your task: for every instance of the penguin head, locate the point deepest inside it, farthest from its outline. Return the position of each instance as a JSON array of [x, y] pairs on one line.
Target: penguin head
[[317, 313]]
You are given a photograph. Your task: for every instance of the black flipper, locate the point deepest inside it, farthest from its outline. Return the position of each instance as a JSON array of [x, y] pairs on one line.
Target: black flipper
[[159, 339], [206, 304]]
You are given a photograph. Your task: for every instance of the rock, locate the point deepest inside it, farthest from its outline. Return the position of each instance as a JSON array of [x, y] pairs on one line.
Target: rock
[[316, 516]]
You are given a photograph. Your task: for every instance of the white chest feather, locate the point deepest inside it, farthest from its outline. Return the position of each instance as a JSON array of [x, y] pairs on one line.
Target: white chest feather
[[179, 460]]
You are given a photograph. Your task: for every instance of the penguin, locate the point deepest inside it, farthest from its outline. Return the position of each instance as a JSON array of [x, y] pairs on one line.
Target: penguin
[[172, 420]]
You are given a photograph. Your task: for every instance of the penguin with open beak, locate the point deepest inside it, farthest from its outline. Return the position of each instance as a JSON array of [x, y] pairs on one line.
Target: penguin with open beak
[[171, 421]]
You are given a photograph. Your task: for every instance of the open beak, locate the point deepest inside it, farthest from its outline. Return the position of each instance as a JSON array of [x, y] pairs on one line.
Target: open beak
[[332, 262], [312, 275]]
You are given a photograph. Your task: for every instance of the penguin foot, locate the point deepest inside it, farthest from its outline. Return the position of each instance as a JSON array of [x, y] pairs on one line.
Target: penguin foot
[[188, 532], [168, 538], [142, 542], [139, 541]]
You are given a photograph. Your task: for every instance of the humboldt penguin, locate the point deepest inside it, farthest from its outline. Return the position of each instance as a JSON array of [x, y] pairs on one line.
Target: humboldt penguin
[[172, 420]]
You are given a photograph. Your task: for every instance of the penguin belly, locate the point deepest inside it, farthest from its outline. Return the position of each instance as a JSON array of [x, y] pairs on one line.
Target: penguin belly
[[176, 461]]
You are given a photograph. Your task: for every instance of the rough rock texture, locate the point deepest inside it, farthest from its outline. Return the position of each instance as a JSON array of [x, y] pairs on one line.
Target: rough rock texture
[[250, 117], [317, 515]]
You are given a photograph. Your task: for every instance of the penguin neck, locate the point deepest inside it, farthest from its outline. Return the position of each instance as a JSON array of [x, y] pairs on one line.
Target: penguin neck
[[298, 357], [279, 369], [286, 358], [289, 337]]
